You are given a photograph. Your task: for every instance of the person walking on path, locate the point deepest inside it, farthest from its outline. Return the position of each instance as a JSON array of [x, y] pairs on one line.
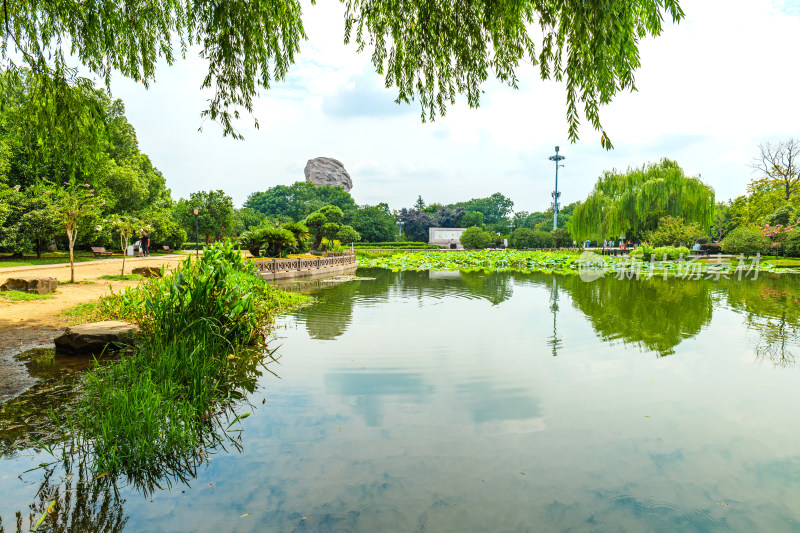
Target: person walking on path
[[145, 244]]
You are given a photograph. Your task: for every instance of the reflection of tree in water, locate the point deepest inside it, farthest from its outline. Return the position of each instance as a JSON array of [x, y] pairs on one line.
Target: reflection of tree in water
[[332, 313], [656, 314], [80, 504], [330, 317], [771, 307]]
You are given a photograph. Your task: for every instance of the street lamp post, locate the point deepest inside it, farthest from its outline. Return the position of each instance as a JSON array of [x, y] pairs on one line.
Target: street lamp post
[[555, 193], [196, 210]]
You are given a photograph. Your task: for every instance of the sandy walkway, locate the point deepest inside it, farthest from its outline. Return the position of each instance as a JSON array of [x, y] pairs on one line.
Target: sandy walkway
[[25, 325]]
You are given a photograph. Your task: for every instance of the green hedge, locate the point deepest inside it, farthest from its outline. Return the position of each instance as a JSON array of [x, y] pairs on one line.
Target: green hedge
[[392, 243], [404, 245], [647, 251]]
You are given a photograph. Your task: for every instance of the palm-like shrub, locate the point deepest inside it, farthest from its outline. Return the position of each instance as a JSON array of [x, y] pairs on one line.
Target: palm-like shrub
[[274, 241], [301, 235]]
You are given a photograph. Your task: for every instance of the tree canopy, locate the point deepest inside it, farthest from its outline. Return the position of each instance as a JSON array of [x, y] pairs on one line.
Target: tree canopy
[[428, 51], [632, 203], [299, 199]]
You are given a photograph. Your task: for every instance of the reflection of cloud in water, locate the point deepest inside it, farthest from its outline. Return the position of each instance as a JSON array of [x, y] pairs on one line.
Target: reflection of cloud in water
[[368, 387], [487, 403]]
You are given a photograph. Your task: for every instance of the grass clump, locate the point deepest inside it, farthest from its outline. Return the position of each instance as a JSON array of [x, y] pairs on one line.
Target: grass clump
[[19, 296], [203, 337], [119, 277]]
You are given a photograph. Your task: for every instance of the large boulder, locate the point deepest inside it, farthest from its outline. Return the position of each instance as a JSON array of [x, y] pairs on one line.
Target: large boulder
[[31, 285], [97, 337], [327, 171]]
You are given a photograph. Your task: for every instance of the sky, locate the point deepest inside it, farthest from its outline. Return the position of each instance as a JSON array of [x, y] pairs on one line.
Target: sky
[[710, 89]]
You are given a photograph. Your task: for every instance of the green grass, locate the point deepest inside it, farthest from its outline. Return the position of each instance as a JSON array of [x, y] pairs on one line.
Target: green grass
[[119, 277], [19, 296], [49, 258]]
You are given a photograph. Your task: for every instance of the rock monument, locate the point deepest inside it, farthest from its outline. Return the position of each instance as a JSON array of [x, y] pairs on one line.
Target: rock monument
[[327, 171]]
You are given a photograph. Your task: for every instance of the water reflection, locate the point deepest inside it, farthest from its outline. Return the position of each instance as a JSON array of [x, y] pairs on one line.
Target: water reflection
[[654, 314], [369, 387], [772, 309], [441, 407], [75, 503], [488, 403]]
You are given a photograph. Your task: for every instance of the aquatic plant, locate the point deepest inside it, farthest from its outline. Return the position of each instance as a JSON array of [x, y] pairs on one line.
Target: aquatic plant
[[202, 343]]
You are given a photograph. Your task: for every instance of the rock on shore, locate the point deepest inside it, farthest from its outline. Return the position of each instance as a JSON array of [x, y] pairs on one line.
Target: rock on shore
[[96, 337], [30, 285]]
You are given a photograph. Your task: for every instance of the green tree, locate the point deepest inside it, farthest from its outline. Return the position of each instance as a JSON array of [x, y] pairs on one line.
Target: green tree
[[125, 226], [470, 219], [299, 200], [215, 215], [76, 207], [324, 224], [429, 51], [673, 231], [561, 238], [246, 218], [525, 238], [633, 202], [494, 207], [375, 223], [475, 237]]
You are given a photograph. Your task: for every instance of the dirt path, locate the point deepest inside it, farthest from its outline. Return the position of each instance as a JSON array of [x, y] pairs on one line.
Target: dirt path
[[35, 323]]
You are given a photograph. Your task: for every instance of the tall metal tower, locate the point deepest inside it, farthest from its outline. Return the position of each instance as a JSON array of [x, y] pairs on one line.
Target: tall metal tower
[[555, 194]]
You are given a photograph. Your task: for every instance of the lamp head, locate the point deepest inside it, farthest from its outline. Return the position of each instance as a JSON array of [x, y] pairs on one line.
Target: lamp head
[[195, 210]]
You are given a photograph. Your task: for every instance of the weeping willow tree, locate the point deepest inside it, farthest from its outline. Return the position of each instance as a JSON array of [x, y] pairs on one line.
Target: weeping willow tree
[[631, 204]]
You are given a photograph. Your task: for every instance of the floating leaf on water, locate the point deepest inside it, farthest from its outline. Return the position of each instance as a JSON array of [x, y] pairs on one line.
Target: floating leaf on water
[[245, 514]]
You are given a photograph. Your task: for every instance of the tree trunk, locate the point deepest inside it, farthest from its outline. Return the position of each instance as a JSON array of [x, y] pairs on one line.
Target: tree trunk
[[71, 242]]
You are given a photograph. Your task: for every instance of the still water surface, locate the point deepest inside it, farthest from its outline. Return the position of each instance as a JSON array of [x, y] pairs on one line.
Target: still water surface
[[494, 402]]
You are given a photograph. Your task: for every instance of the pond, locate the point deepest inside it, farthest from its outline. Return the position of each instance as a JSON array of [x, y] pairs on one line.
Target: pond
[[446, 401]]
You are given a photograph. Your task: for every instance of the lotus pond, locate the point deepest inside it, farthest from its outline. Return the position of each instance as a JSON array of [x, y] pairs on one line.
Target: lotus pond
[[469, 401]]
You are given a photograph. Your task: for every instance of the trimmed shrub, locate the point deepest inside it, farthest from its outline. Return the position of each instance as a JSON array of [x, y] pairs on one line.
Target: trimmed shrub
[[475, 237], [746, 240], [646, 252]]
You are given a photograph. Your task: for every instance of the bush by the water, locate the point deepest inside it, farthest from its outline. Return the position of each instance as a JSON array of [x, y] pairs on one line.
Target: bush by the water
[[158, 405], [524, 238], [747, 240], [475, 237]]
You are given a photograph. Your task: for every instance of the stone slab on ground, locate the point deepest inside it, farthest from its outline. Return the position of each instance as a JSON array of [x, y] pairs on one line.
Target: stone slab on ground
[[43, 285], [96, 337], [147, 272]]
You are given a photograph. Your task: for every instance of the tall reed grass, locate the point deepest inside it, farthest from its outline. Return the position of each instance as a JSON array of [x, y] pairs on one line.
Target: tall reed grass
[[203, 342]]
